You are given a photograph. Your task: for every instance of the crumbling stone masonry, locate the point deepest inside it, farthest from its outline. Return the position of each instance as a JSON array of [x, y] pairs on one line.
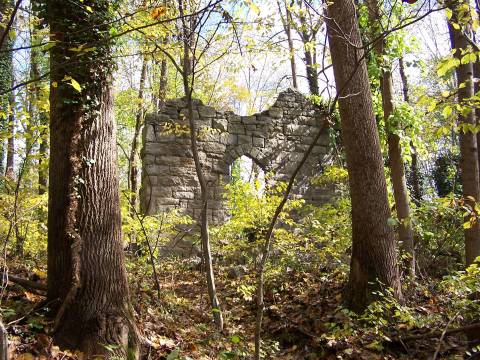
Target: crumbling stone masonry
[[275, 139]]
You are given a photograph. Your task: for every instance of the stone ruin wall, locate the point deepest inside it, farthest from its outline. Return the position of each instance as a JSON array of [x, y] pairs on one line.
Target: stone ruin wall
[[275, 139]]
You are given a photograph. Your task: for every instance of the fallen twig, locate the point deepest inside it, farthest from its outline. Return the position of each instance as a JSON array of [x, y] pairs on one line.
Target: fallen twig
[[42, 304], [444, 332], [437, 333]]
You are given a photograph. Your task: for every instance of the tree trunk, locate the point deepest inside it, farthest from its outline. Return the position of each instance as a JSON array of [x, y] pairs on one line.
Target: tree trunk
[[312, 75], [7, 101], [87, 282], [476, 87], [397, 167], [373, 242], [287, 24], [162, 89], [42, 157], [9, 168], [3, 342], [133, 173], [5, 81], [41, 120], [468, 142], [416, 187], [188, 78]]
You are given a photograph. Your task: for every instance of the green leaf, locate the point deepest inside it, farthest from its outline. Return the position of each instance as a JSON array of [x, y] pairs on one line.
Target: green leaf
[[392, 222], [447, 111], [235, 339], [50, 45], [468, 58], [175, 354], [432, 106]]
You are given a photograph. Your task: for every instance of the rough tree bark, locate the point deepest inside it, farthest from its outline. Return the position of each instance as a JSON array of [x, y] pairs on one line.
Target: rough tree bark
[[9, 168], [307, 29], [397, 167], [3, 342], [310, 53], [133, 171], [162, 89], [416, 187], [476, 74], [87, 282], [41, 121], [5, 78], [468, 140], [373, 242]]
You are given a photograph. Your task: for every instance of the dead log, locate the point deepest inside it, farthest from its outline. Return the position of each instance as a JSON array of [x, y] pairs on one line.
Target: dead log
[[25, 283]]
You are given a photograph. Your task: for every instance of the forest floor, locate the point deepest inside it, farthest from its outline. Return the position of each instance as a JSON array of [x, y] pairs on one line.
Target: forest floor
[[304, 318]]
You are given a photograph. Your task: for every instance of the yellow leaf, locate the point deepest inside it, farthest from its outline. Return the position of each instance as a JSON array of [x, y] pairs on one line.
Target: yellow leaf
[[448, 12], [158, 12], [75, 85], [41, 274], [89, 8], [253, 6]]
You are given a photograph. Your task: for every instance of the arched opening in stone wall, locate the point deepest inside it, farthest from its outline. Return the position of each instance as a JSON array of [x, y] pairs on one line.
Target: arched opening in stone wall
[[270, 142], [247, 170]]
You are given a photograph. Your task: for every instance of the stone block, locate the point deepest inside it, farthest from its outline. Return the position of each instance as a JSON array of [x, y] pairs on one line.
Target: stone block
[[160, 192], [149, 133], [171, 111], [184, 114], [165, 137], [324, 140], [148, 159], [234, 119], [178, 103], [248, 119], [155, 169], [184, 195], [264, 119], [232, 139], [220, 124], [182, 170], [169, 159], [244, 139], [207, 112], [257, 141], [238, 129], [149, 180], [275, 113]]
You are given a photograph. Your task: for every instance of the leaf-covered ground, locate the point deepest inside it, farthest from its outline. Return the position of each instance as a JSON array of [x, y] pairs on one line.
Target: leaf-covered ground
[[304, 318]]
